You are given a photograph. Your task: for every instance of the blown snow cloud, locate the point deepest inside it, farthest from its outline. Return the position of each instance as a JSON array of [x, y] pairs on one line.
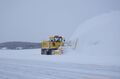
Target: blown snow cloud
[[99, 35]]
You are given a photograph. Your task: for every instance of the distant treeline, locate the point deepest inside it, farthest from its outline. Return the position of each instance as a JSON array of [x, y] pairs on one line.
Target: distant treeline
[[19, 45]]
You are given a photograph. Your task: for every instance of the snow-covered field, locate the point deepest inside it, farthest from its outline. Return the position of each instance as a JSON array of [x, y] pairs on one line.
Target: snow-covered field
[[29, 64], [97, 55]]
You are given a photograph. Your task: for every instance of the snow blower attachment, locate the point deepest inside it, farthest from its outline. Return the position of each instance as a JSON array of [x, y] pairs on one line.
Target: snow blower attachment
[[54, 46]]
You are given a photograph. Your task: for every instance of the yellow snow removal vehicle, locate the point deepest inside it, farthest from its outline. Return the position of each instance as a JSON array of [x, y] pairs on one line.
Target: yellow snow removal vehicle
[[54, 46]]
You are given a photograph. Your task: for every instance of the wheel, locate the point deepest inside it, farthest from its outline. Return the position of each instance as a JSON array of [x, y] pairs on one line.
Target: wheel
[[49, 52], [46, 52], [43, 51]]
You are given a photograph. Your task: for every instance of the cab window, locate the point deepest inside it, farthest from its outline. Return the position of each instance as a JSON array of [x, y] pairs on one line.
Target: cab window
[[52, 40]]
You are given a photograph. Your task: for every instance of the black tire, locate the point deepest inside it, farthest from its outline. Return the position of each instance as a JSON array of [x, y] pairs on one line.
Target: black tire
[[46, 51], [43, 51], [49, 52]]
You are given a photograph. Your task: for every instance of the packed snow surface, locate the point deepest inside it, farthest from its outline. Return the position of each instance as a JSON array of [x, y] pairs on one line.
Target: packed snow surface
[[96, 56], [29, 64]]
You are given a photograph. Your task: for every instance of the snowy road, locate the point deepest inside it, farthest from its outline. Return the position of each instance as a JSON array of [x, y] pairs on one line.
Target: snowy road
[[33, 69]]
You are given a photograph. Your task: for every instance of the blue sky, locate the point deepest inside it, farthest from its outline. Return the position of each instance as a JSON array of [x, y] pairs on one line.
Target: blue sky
[[35, 20]]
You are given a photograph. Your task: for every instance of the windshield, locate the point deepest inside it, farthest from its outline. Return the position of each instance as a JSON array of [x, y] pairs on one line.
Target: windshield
[[52, 39], [56, 39]]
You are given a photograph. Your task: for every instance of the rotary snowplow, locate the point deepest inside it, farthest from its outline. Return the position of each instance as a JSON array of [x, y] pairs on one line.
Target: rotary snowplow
[[54, 46]]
